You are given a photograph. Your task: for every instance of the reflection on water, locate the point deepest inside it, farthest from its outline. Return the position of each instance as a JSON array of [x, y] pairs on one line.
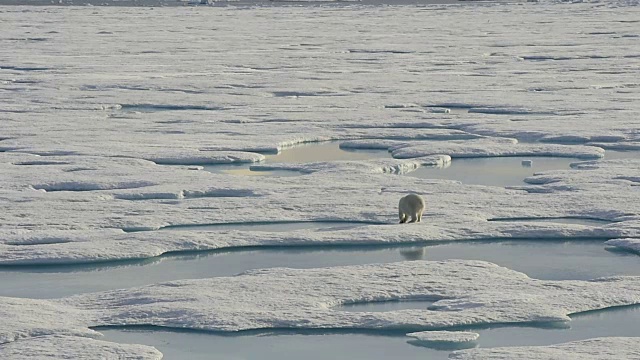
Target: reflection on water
[[190, 345], [554, 260], [305, 153], [202, 346], [413, 253], [494, 171]]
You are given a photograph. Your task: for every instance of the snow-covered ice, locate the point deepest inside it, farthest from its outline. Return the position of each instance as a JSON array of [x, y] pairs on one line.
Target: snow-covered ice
[[591, 349], [448, 336], [109, 115], [459, 339], [74, 347], [632, 244], [109, 195], [483, 148], [27, 318], [467, 292]]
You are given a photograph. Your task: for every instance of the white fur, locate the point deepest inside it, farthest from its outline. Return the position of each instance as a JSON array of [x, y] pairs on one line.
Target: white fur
[[412, 206]]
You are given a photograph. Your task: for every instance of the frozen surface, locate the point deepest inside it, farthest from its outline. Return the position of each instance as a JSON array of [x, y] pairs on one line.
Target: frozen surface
[[561, 220], [632, 245], [465, 293], [273, 226], [73, 347], [452, 337], [620, 321], [475, 149], [592, 349], [76, 226], [83, 136], [109, 115]]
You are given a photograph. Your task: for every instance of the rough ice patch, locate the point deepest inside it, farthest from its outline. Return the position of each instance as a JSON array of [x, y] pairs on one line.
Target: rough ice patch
[[406, 166], [620, 173], [76, 173], [471, 292], [90, 185], [65, 227], [26, 318], [631, 244], [361, 135], [489, 148], [207, 158], [448, 339], [392, 166], [167, 107], [593, 349], [505, 111], [361, 192], [74, 347], [618, 145], [141, 241]]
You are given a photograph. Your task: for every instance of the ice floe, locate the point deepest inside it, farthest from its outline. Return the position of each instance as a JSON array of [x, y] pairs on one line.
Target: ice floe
[[632, 245], [26, 318], [470, 149], [455, 339], [74, 224], [74, 347], [592, 349], [465, 293], [22, 247]]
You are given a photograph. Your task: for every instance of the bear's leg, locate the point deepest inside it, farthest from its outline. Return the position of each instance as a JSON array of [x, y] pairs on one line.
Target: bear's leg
[[403, 217], [419, 217], [414, 218]]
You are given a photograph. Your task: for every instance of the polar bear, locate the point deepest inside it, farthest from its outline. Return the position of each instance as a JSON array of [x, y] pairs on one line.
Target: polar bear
[[412, 206]]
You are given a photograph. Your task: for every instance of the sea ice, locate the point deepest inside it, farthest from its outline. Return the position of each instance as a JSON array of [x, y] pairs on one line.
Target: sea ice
[[467, 293], [85, 129], [455, 339], [74, 347], [484, 148], [593, 349], [632, 244], [69, 226]]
